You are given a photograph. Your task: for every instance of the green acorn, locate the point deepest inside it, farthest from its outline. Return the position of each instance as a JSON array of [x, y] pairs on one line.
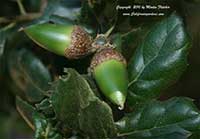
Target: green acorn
[[71, 41], [108, 67]]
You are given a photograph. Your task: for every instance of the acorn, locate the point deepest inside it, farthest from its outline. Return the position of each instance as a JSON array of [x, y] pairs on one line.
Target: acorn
[[108, 68], [71, 41]]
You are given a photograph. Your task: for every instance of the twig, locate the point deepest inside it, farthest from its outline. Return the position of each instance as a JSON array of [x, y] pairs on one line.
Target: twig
[[21, 7], [109, 31], [132, 30], [20, 18], [9, 26]]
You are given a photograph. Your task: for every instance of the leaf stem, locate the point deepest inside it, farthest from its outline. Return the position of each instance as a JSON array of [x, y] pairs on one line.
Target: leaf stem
[[47, 131], [21, 7], [109, 31], [9, 26], [20, 18], [132, 30]]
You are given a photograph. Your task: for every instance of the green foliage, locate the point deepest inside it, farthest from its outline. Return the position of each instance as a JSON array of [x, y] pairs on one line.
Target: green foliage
[[69, 104], [29, 73], [159, 61], [174, 118], [78, 108], [26, 111]]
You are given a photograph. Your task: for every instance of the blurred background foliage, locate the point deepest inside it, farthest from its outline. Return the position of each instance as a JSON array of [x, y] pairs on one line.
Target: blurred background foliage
[[13, 16]]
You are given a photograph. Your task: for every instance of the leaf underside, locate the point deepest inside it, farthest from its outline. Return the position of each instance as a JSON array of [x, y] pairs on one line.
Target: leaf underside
[[79, 109]]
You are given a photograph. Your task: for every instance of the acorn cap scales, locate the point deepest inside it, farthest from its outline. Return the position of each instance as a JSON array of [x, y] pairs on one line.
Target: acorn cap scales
[[71, 41]]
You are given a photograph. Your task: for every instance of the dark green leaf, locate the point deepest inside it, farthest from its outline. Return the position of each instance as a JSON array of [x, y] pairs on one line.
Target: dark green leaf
[[33, 5], [29, 74], [26, 111], [5, 33], [116, 40], [195, 135], [64, 12], [49, 10], [176, 117], [13, 123], [159, 61], [78, 108], [101, 13], [87, 15], [132, 39]]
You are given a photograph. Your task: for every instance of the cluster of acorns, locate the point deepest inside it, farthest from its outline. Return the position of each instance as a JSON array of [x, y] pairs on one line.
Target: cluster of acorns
[[108, 66]]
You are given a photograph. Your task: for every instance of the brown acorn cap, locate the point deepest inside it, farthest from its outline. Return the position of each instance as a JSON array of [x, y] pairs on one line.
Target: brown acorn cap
[[80, 44], [105, 55]]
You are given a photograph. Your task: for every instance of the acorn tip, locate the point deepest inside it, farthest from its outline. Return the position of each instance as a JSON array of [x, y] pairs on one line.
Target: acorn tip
[[21, 29], [121, 107]]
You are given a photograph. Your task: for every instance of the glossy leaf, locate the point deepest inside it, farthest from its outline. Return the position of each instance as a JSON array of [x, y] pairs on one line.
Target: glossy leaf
[[174, 118], [78, 108], [116, 40], [29, 74], [159, 61], [5, 33], [132, 39]]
